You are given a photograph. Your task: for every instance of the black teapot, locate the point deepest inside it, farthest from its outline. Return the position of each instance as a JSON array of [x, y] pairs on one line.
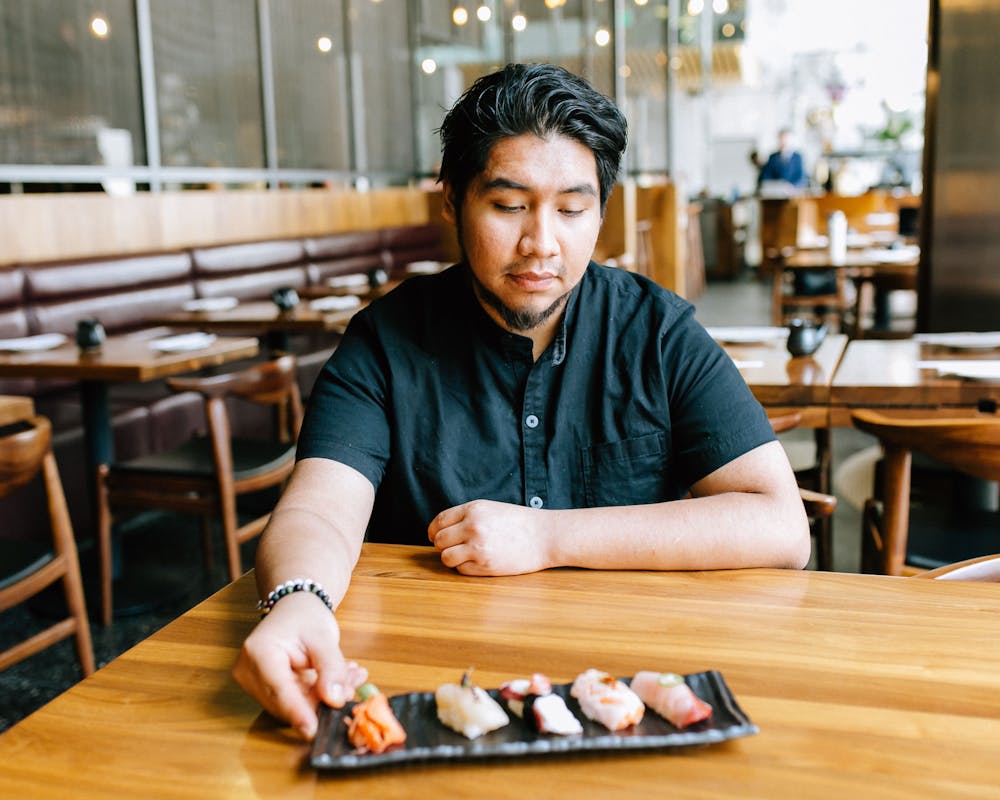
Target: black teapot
[[285, 298], [805, 336], [90, 334]]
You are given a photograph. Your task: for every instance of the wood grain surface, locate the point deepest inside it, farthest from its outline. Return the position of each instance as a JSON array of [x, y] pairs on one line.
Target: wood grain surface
[[862, 686]]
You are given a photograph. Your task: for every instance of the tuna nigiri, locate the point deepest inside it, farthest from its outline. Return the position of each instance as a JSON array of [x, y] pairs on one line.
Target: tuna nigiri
[[468, 709], [534, 702], [670, 697], [372, 727], [605, 699]]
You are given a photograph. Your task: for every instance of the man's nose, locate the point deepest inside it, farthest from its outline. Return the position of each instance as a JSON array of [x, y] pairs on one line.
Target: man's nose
[[539, 237]]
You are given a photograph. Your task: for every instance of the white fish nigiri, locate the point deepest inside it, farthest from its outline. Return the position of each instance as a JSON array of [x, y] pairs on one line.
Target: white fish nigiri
[[534, 702], [606, 700], [670, 697], [468, 709]]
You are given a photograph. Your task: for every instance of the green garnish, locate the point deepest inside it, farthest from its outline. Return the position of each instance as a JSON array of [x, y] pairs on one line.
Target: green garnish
[[366, 690], [670, 679]]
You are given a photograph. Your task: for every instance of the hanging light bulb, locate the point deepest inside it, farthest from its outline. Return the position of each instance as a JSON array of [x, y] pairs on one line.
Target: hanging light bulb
[[429, 66], [483, 13], [519, 22], [720, 6], [99, 27], [695, 7], [641, 2], [324, 44], [459, 16], [602, 37]]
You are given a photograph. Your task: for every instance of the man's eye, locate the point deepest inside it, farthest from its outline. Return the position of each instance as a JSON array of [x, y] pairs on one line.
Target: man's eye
[[572, 212], [506, 209]]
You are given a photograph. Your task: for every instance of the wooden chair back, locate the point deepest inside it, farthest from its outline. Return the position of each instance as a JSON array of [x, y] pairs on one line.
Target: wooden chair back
[[28, 567], [969, 444]]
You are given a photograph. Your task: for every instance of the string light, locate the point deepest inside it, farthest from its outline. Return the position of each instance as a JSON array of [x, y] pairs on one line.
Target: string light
[[483, 13], [602, 37], [519, 22], [99, 27], [459, 16], [324, 44], [695, 7], [429, 66], [720, 6]]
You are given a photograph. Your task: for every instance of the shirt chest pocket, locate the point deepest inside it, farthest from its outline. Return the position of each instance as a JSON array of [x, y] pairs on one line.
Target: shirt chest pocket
[[627, 472]]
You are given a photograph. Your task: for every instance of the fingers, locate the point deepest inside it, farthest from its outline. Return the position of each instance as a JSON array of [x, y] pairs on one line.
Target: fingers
[[267, 675], [444, 521]]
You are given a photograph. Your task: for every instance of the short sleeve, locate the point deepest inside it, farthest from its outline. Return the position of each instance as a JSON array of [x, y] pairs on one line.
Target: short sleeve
[[714, 416], [346, 417]]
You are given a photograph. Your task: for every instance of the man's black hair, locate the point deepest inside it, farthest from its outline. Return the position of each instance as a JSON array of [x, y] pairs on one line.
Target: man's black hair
[[538, 99]]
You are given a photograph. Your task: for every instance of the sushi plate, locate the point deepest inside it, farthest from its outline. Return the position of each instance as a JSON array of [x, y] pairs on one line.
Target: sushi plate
[[429, 740]]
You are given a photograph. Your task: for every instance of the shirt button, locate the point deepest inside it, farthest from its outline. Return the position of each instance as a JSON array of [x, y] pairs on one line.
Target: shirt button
[[535, 502], [531, 421]]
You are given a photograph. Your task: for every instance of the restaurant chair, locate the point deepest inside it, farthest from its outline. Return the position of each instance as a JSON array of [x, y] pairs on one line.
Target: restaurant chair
[[819, 505], [985, 569], [205, 474], [893, 543], [29, 567], [800, 292]]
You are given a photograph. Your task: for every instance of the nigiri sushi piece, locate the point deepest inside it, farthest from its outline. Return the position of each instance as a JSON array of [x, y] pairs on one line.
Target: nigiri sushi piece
[[670, 697], [372, 727], [468, 709], [533, 701], [606, 700]]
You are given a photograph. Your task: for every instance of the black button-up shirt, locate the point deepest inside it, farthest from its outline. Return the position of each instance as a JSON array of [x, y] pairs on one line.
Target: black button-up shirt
[[436, 405]]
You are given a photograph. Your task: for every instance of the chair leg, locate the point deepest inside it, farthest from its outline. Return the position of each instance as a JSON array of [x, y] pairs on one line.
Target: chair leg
[[104, 543], [896, 508], [230, 530]]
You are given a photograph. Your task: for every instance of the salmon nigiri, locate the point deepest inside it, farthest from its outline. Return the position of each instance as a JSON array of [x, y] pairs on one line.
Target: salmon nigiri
[[670, 697], [372, 727]]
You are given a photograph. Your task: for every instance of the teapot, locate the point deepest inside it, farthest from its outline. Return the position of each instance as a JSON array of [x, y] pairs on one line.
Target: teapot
[[805, 336], [285, 298]]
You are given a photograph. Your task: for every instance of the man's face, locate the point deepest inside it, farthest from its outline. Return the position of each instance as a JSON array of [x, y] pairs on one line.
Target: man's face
[[528, 226]]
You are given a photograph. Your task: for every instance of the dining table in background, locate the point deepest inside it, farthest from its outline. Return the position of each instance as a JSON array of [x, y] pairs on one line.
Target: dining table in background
[[890, 374], [14, 408], [262, 318], [124, 359], [860, 685]]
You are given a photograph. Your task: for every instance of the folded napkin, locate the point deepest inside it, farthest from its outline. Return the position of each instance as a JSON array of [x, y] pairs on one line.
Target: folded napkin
[[424, 267], [751, 334], [183, 341], [353, 281], [43, 341], [335, 303], [211, 304], [980, 370], [961, 339]]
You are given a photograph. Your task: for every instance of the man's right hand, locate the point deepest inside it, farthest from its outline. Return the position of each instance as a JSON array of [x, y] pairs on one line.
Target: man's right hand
[[292, 660]]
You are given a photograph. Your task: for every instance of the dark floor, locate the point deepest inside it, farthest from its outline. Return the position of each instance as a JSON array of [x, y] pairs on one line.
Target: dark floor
[[165, 562]]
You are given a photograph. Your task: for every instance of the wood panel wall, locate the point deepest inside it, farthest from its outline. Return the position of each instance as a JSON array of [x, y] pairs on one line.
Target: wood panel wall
[[40, 227]]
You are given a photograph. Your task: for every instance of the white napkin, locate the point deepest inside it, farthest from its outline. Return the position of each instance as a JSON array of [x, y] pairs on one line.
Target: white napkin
[[424, 267], [42, 341], [335, 303], [183, 341], [961, 339], [899, 255], [981, 370], [751, 334], [211, 304], [740, 364], [352, 281]]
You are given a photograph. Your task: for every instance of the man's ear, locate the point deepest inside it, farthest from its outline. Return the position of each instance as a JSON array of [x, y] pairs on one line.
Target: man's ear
[[448, 206]]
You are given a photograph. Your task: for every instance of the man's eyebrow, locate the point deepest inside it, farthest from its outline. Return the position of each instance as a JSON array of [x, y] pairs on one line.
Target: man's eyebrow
[[507, 183]]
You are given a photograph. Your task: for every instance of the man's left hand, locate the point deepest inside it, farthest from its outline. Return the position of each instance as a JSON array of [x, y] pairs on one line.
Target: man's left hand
[[484, 537]]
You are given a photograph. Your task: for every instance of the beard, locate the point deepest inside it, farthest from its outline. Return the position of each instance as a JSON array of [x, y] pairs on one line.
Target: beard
[[520, 321]]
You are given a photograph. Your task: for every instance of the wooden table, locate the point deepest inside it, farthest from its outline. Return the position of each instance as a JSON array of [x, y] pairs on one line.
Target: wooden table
[[14, 408], [262, 318], [884, 374], [121, 358], [862, 686]]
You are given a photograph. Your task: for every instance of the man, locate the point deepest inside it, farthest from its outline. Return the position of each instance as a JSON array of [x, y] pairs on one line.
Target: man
[[785, 164], [524, 409]]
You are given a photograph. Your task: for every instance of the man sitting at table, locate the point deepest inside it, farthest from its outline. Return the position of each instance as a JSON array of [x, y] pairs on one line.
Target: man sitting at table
[[522, 410]]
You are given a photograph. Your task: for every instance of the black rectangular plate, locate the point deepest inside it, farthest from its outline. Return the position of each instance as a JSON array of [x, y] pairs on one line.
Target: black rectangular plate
[[428, 740]]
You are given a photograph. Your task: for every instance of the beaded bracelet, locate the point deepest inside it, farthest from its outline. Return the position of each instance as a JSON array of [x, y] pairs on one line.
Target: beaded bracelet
[[288, 587]]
